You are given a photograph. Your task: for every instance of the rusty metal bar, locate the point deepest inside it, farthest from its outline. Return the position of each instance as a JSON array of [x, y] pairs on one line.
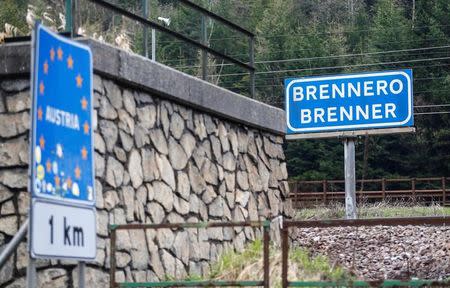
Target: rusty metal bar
[[266, 255], [112, 259], [413, 188], [434, 221], [324, 189], [193, 283], [187, 225], [284, 255], [383, 188]]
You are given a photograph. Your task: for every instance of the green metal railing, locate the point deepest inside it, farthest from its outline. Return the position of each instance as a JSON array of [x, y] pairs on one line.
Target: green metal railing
[[192, 283], [203, 45]]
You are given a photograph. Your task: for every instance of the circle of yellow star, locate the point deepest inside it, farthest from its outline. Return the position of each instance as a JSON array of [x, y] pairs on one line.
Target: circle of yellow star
[[52, 54], [57, 180], [70, 62], [41, 88], [40, 113], [60, 53], [79, 80], [86, 128], [84, 103], [45, 67], [48, 165], [84, 153], [69, 182], [42, 142], [77, 172]]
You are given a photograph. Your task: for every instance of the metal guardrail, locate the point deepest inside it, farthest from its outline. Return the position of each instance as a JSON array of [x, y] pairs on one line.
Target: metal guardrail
[[201, 225], [305, 193], [434, 221], [203, 45], [15, 241]]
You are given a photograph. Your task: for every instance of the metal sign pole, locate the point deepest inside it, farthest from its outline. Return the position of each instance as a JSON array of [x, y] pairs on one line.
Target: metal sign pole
[[349, 170], [81, 273]]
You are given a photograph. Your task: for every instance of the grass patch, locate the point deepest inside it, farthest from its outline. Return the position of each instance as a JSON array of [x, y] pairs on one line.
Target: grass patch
[[248, 265], [376, 210]]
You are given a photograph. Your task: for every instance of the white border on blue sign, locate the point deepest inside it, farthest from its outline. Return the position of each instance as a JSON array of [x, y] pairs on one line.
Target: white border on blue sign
[[355, 126], [33, 124]]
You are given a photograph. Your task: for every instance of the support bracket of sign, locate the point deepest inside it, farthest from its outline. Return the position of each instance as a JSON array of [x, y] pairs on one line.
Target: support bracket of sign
[[354, 133]]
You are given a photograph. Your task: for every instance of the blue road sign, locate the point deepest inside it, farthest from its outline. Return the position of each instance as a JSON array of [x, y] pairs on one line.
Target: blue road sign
[[62, 157], [349, 102]]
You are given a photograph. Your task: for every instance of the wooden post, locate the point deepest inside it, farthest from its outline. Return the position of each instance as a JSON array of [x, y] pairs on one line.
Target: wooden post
[[413, 188], [324, 189], [444, 194], [383, 188]]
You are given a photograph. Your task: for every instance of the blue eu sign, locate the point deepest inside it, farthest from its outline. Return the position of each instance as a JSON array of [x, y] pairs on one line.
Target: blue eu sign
[[349, 102], [62, 150]]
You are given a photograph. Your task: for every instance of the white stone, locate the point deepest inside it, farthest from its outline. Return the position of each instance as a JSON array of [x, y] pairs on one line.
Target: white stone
[[229, 162], [127, 140], [188, 143], [8, 225], [149, 168], [156, 212], [14, 152], [165, 171], [198, 184], [111, 199], [99, 143], [128, 102], [216, 207], [181, 206], [242, 197], [99, 162], [106, 110], [209, 195], [18, 123], [242, 180], [164, 195], [177, 155], [135, 168], [147, 116], [139, 252], [128, 200], [110, 133], [19, 102], [126, 123], [165, 238], [176, 125], [200, 129], [210, 172], [179, 246], [141, 136], [183, 185], [114, 172], [114, 93], [159, 141]]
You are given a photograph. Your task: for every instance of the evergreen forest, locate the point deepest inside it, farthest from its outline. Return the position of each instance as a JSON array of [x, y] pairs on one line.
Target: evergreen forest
[[296, 38]]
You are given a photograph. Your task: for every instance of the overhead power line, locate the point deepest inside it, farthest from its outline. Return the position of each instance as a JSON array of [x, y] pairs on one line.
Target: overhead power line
[[338, 67]]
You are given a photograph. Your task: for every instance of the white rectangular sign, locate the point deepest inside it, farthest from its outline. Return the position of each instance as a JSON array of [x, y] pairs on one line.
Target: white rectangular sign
[[62, 231]]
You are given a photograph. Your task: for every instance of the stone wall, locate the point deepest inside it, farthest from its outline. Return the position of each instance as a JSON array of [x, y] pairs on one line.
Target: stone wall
[[156, 160]]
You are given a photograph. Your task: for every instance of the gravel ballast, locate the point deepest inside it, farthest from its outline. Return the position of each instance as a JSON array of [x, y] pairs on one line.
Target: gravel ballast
[[381, 252]]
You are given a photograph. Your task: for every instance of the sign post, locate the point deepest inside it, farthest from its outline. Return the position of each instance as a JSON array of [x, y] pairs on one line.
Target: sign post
[[62, 212], [350, 183], [347, 106]]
